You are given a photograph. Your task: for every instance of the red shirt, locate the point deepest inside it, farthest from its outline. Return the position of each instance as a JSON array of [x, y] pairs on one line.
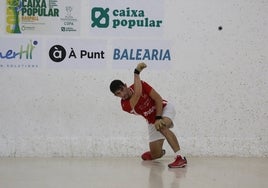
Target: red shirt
[[145, 106]]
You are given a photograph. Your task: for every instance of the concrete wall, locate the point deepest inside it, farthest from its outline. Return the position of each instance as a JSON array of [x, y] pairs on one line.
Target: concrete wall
[[218, 82]]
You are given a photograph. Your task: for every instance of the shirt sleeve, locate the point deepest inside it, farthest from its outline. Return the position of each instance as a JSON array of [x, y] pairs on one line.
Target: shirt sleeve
[[126, 106], [146, 87]]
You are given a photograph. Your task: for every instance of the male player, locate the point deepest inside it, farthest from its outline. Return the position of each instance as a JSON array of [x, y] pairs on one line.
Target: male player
[[141, 99]]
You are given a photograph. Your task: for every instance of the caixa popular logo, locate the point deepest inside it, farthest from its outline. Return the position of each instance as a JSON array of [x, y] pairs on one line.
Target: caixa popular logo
[[58, 53], [127, 18]]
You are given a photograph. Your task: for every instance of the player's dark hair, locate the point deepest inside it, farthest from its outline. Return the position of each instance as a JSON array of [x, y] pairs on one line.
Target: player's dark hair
[[116, 85]]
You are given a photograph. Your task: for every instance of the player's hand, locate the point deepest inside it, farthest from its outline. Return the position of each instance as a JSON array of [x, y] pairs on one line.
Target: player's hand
[[141, 66], [159, 124]]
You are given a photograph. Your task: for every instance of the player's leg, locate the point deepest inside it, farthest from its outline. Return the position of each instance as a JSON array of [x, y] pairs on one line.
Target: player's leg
[[174, 144], [168, 116], [156, 140], [169, 135], [156, 149]]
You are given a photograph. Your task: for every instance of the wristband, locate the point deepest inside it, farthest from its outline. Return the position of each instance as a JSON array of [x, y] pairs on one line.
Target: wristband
[[136, 71], [158, 117]]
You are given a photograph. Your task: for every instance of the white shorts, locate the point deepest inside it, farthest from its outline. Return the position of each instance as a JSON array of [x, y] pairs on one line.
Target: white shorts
[[168, 111]]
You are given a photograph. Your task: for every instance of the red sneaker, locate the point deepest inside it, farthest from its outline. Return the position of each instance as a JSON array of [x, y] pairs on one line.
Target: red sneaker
[[147, 155], [178, 163]]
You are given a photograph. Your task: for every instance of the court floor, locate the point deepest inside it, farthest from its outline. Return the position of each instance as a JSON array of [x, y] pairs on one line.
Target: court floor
[[201, 172]]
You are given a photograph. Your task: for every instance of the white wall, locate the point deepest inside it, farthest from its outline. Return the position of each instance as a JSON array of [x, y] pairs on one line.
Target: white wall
[[218, 83]]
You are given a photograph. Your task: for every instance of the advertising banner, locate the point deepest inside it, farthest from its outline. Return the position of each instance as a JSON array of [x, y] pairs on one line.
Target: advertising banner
[[155, 53], [2, 16], [76, 53], [20, 53], [43, 17], [126, 18]]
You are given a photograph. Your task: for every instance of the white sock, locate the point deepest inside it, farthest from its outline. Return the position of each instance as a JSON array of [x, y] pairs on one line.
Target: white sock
[[178, 153]]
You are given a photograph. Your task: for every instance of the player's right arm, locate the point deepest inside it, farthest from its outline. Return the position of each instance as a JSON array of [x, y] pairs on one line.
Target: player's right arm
[[137, 85]]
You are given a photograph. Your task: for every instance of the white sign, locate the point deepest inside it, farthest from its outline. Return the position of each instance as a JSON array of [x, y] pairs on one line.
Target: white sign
[[76, 53], [126, 18], [20, 53], [157, 53], [43, 17]]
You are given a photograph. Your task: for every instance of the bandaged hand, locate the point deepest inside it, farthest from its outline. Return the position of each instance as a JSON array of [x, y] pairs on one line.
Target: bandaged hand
[[159, 124], [141, 66]]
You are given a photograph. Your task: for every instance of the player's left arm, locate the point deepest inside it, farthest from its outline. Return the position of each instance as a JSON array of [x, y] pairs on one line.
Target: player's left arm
[[159, 122], [158, 102]]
